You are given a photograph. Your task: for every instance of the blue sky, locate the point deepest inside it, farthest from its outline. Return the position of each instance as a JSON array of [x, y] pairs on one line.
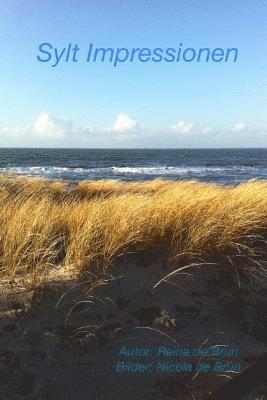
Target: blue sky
[[136, 104]]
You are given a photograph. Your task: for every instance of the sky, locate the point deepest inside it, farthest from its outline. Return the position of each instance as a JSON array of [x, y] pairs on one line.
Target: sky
[[139, 105]]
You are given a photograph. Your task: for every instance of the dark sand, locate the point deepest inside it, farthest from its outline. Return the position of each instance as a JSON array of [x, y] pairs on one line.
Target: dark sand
[[49, 350]]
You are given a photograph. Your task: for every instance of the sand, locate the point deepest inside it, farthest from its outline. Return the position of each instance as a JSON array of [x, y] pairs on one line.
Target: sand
[[64, 341]]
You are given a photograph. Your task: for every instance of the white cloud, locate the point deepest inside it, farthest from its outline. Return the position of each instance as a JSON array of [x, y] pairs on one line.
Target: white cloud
[[182, 127], [16, 131], [207, 131], [124, 123], [239, 127], [88, 129], [47, 126]]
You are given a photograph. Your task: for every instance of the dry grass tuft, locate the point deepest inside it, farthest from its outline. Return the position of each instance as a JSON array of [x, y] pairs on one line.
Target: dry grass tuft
[[44, 224]]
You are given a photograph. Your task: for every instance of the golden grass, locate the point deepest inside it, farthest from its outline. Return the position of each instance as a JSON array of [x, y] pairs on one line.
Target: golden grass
[[43, 224]]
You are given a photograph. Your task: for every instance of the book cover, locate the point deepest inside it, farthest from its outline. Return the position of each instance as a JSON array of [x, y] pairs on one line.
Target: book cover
[[133, 200]]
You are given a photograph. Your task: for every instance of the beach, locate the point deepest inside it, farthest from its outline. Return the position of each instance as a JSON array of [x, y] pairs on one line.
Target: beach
[[90, 267]]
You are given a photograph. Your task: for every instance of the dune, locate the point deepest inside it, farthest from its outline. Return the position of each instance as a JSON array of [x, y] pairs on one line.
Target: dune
[[89, 268]]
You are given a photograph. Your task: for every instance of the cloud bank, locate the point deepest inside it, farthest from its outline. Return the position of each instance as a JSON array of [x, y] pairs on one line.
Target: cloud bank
[[125, 130]]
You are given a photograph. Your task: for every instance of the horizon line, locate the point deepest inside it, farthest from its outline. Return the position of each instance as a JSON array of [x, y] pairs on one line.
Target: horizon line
[[133, 148]]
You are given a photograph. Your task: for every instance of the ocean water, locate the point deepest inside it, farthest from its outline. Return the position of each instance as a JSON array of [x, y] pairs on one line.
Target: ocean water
[[225, 166]]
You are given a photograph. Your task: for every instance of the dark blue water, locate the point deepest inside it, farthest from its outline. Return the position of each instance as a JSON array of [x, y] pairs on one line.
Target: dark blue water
[[226, 166]]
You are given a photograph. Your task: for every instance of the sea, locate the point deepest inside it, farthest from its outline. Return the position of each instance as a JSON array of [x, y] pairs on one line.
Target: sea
[[223, 166]]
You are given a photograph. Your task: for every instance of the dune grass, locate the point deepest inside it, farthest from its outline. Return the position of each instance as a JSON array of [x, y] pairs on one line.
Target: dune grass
[[89, 225]]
